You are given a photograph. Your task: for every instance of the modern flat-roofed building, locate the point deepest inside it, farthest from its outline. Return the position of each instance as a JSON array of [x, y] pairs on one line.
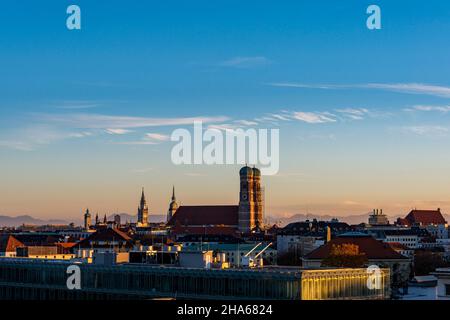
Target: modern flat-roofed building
[[40, 280]]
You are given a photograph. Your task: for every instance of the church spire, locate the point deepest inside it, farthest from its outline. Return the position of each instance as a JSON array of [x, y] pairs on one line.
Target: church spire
[[173, 206], [143, 200], [143, 211]]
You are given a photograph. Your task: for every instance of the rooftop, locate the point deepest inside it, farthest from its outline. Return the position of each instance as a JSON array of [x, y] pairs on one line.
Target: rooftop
[[225, 215], [372, 248]]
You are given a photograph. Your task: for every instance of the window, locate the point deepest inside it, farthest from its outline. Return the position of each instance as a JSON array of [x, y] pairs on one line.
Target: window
[[447, 289]]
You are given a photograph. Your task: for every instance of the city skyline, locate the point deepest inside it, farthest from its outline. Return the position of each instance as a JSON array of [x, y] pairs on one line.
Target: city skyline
[[85, 120]]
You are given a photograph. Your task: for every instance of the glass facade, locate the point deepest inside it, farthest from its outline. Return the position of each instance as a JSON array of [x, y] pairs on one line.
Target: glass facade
[[24, 279], [335, 284]]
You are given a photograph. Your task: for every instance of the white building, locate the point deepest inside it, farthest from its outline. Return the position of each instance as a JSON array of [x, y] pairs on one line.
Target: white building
[[407, 238], [443, 287], [439, 231]]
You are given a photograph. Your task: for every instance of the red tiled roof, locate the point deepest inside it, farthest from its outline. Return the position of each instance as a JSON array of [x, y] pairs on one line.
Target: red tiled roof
[[373, 248], [403, 222], [226, 215], [9, 243], [198, 230], [397, 246], [66, 245], [425, 217], [105, 234]]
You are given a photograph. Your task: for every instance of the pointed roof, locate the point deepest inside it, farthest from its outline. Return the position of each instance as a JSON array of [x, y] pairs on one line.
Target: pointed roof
[[173, 193], [106, 235], [9, 243], [143, 201]]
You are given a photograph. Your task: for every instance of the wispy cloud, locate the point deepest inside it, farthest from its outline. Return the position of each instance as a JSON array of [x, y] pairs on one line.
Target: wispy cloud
[[443, 109], [245, 62], [76, 104], [234, 125], [246, 123], [80, 134], [117, 131], [414, 88], [157, 137], [410, 88], [354, 113], [16, 144], [98, 121], [317, 117], [50, 128], [224, 126], [314, 117], [426, 130], [147, 139], [28, 138]]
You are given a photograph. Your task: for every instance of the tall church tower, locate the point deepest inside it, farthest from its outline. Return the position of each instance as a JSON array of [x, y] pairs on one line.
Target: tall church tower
[[258, 200], [173, 206], [246, 201], [142, 220], [87, 220], [251, 208]]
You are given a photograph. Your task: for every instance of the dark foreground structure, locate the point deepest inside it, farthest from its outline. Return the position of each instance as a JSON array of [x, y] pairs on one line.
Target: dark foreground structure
[[28, 279]]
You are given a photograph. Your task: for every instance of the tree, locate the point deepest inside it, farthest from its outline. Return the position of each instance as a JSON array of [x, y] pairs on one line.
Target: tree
[[345, 255], [426, 261]]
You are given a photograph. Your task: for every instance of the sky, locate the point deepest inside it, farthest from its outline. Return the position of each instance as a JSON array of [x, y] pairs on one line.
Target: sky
[[86, 115]]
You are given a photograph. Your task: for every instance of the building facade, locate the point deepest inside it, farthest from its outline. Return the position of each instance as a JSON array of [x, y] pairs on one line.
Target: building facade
[[35, 280], [378, 218], [251, 207], [87, 220]]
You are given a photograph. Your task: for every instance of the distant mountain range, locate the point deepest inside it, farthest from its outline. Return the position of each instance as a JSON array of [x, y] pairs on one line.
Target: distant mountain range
[[352, 219], [8, 221]]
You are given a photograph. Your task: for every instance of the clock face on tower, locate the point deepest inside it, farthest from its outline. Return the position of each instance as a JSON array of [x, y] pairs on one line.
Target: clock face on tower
[[244, 197]]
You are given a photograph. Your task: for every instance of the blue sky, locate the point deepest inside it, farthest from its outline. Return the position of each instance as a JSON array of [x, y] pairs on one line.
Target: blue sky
[[363, 115]]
